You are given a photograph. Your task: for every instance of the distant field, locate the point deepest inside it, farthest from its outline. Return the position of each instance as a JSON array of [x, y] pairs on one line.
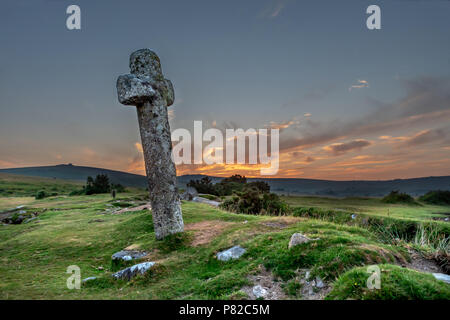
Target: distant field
[[370, 206], [13, 185]]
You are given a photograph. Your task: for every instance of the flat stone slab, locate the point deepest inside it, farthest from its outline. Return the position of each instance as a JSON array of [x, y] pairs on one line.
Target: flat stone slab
[[206, 201], [128, 255], [233, 253], [259, 291], [133, 271], [298, 238], [442, 277]]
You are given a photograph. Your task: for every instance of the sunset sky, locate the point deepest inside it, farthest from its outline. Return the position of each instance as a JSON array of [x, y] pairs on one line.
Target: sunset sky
[[350, 103]]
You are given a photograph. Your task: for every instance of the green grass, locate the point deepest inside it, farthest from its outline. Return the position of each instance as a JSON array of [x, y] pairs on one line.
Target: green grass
[[12, 185], [77, 230], [396, 283], [371, 206]]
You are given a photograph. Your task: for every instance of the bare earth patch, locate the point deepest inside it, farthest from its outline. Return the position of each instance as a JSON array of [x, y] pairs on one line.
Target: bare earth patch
[[420, 263], [205, 231], [281, 223], [266, 281]]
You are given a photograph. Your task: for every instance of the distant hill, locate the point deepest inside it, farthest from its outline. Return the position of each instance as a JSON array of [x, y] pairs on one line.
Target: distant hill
[[71, 172], [415, 186]]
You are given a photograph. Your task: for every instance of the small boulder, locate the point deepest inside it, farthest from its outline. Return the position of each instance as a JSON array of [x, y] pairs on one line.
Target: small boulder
[[233, 253], [189, 194], [30, 219], [133, 271], [260, 292], [442, 277], [88, 279], [319, 283], [298, 238], [128, 255]]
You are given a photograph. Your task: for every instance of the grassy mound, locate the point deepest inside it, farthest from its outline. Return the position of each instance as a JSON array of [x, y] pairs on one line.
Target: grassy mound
[[398, 197], [396, 284]]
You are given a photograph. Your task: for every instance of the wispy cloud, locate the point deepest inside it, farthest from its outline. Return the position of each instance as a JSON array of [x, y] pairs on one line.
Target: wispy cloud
[[341, 148], [359, 85], [274, 9], [427, 102], [283, 125]]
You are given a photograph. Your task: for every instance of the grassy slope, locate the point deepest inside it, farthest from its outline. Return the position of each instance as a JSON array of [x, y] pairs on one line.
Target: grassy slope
[[34, 256], [12, 185], [372, 206]]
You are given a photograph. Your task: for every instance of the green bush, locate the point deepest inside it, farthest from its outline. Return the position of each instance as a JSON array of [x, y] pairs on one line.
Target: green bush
[[438, 197], [398, 197], [251, 202], [41, 195]]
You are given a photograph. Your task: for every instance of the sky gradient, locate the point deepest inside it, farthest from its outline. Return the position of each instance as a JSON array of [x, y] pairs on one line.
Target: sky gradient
[[351, 103]]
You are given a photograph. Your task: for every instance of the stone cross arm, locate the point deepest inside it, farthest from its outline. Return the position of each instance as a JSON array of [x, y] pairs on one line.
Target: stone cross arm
[[146, 82]]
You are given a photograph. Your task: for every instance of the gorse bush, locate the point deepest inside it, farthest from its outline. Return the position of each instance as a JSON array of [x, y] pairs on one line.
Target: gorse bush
[[438, 197], [98, 185], [252, 201], [41, 195], [398, 197], [228, 186]]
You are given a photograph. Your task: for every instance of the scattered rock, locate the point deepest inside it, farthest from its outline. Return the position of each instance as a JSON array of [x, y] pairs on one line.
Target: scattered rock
[[30, 219], [128, 255], [133, 271], [206, 201], [298, 238], [89, 279], [189, 194], [442, 277], [319, 283], [314, 289], [264, 286], [259, 291], [233, 253]]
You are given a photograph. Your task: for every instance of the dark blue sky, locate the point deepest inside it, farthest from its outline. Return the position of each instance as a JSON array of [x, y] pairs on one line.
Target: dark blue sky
[[233, 63]]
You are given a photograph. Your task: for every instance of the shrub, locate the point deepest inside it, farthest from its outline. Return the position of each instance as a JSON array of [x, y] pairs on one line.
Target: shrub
[[398, 197], [251, 202], [262, 186], [438, 197], [118, 187], [41, 195]]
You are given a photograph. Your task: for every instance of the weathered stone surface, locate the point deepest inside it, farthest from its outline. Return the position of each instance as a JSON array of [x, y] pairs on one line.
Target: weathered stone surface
[[206, 201], [189, 194], [442, 277], [298, 238], [233, 253], [319, 283], [128, 255], [147, 89], [259, 291], [133, 271]]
